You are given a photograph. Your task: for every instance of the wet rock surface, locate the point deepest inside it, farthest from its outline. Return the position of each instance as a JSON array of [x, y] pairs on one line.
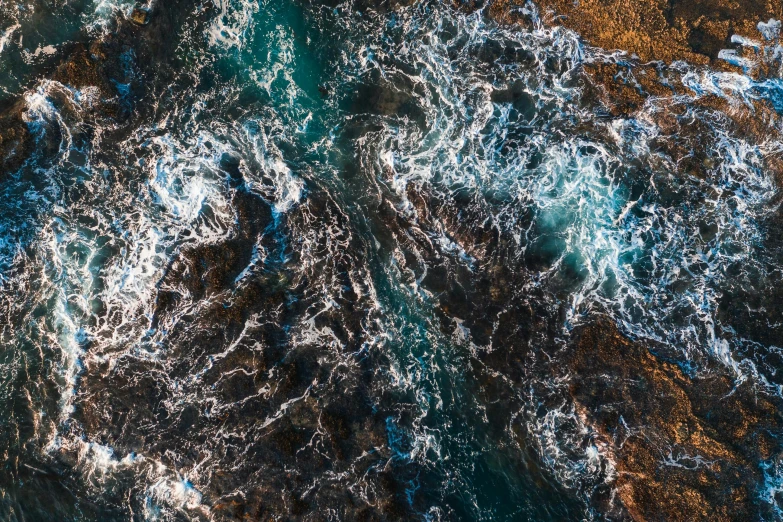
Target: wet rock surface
[[15, 140], [140, 15], [683, 448], [725, 36], [695, 31]]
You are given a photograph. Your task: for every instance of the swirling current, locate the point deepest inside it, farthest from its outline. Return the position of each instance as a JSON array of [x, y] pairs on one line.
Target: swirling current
[[304, 260]]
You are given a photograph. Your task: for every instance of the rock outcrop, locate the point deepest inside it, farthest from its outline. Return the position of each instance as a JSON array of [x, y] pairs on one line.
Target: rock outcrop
[[668, 30], [684, 448]]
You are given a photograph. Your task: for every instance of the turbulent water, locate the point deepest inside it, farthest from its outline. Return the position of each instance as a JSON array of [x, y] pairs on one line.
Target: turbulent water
[[322, 261]]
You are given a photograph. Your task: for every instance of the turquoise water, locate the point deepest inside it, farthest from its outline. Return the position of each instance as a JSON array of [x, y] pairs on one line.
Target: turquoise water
[[325, 268]]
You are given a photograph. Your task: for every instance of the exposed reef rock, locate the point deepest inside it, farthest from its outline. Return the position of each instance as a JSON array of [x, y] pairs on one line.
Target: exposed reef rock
[[667, 30], [655, 33], [683, 448], [140, 15]]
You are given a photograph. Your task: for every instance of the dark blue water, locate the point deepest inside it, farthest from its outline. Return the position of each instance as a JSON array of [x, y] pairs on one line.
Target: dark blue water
[[321, 262]]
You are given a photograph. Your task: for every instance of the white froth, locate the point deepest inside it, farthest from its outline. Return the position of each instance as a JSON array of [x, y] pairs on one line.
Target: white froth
[[5, 36]]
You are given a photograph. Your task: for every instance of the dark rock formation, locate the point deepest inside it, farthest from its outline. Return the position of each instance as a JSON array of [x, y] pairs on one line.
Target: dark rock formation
[[15, 138]]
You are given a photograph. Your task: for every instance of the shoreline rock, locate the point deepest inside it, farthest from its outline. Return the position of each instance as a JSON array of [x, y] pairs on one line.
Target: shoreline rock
[[683, 448], [667, 30]]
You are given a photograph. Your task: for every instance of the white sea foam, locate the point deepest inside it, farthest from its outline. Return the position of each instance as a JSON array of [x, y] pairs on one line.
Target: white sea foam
[[770, 29], [773, 484], [177, 494], [578, 188], [104, 13], [5, 36], [229, 28], [166, 491], [43, 116]]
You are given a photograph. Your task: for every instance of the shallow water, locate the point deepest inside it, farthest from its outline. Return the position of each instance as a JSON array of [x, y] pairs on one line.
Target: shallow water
[[261, 294]]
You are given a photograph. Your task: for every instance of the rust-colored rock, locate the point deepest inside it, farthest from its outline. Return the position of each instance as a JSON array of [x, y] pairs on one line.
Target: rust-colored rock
[[140, 16], [683, 448], [658, 32], [692, 30]]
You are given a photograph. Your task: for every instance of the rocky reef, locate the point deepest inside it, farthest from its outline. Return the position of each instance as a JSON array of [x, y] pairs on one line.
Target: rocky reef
[[695, 31], [684, 448]]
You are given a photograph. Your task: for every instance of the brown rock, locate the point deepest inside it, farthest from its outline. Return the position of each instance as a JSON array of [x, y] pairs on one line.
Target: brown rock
[[140, 16], [692, 30], [15, 139], [683, 448]]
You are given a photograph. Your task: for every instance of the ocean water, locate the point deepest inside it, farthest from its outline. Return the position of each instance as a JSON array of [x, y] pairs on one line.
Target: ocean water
[[323, 266]]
